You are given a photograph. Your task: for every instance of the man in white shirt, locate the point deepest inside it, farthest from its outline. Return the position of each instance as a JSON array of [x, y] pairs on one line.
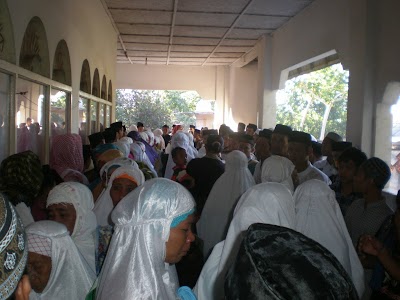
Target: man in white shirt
[[299, 151], [328, 165]]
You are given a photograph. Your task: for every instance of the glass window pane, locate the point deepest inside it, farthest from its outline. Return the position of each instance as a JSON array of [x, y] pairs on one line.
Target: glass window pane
[[93, 117], [4, 114], [58, 112], [30, 118], [102, 108], [108, 115], [83, 119]]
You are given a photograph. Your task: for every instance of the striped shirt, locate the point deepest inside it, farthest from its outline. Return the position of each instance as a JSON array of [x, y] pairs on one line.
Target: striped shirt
[[366, 220]]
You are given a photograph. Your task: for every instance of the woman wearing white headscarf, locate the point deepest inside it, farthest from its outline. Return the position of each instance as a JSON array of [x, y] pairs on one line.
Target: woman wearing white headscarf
[[278, 169], [138, 150], [104, 206], [152, 232], [179, 139], [159, 140], [69, 199], [191, 149], [228, 188], [319, 217], [269, 203], [123, 146], [69, 276]]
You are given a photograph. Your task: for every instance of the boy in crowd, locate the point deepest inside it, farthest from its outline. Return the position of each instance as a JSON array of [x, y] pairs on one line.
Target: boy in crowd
[[366, 215], [280, 140], [299, 150], [246, 145], [179, 157], [348, 163]]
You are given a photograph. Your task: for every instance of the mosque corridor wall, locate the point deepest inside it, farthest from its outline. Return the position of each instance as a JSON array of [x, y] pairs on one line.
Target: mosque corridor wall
[[85, 32]]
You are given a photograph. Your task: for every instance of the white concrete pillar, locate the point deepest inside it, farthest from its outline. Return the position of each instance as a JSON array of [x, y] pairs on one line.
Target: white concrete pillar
[[266, 104], [362, 83], [383, 132]]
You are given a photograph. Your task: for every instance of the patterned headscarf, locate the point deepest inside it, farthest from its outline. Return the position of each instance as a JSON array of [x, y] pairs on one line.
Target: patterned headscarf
[[13, 250], [21, 177], [66, 153]]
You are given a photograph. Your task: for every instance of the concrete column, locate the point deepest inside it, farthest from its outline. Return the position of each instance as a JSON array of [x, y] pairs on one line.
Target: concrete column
[[221, 96], [266, 104], [362, 83], [383, 132], [75, 103]]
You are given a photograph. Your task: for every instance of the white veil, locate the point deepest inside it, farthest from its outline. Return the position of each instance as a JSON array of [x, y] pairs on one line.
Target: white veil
[[134, 267], [223, 197], [318, 216]]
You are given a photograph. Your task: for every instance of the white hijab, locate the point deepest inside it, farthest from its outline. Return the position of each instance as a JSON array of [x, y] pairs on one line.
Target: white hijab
[[179, 139], [134, 267], [138, 150], [123, 146], [116, 162], [193, 151], [269, 203], [318, 216], [278, 169], [218, 210], [70, 277], [158, 138], [104, 205], [84, 235]]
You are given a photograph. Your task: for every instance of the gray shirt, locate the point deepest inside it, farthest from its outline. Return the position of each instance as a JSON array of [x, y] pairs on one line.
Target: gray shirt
[[365, 220]]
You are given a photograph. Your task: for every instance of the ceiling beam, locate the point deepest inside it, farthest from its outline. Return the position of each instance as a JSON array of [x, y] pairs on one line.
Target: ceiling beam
[[229, 30], [198, 12], [194, 26], [172, 29]]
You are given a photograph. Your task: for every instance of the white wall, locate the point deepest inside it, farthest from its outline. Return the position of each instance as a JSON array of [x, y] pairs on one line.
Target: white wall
[[243, 94], [154, 77], [86, 28]]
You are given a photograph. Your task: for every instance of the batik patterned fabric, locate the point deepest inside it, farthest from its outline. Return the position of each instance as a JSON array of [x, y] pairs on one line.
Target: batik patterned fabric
[[13, 250], [276, 262], [21, 177]]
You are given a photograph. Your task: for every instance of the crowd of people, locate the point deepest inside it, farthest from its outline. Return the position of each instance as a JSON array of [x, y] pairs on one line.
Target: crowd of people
[[197, 214]]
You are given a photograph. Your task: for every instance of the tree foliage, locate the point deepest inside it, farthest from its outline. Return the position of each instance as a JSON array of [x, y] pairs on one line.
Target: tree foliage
[[316, 102], [156, 108]]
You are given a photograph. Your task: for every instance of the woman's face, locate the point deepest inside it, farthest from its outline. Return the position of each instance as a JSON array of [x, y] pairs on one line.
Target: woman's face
[[39, 269], [179, 240], [120, 188], [64, 214]]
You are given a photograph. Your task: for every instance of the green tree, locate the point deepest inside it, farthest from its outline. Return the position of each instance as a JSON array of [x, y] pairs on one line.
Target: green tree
[[156, 108], [316, 102]]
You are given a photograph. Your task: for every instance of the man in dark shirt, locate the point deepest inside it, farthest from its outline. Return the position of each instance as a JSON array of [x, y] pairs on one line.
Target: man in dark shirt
[[166, 136], [206, 171]]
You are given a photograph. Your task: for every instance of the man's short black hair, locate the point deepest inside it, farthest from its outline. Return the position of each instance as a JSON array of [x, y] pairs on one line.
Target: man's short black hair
[[353, 154], [109, 134], [175, 151], [165, 126]]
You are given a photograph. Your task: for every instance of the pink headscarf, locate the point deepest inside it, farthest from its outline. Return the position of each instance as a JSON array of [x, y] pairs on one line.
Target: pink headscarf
[[66, 153]]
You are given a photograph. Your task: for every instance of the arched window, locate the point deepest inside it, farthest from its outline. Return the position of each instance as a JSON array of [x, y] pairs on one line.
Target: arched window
[[104, 88], [85, 85], [62, 64], [7, 45], [110, 91], [96, 84], [34, 54]]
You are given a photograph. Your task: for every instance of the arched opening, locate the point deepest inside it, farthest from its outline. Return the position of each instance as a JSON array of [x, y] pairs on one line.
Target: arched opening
[[315, 102], [110, 91], [62, 64], [34, 54], [7, 45], [387, 133], [104, 88], [96, 84], [85, 85]]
